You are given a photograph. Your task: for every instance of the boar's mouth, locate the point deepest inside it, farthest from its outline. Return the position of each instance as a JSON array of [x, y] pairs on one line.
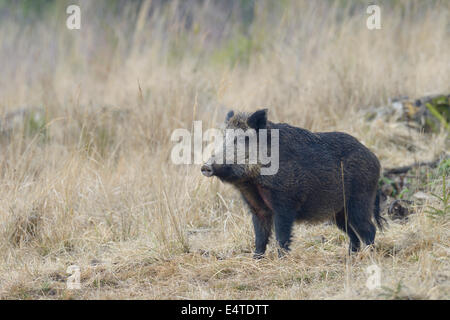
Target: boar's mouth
[[223, 172], [207, 170]]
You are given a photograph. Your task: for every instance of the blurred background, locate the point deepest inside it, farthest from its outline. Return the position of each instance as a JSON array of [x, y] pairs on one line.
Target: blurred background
[[298, 46]]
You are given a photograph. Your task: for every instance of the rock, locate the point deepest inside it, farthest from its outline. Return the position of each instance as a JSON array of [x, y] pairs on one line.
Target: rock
[[422, 196], [399, 210], [427, 114], [387, 189]]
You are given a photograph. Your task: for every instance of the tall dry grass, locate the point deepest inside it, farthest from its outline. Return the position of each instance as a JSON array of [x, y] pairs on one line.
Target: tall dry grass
[[86, 176]]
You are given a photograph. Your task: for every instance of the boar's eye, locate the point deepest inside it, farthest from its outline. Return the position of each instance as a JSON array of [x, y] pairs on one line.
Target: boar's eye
[[229, 116]]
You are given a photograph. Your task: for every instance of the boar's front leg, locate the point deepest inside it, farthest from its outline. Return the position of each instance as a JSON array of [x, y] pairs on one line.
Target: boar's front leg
[[262, 219], [283, 220], [262, 224]]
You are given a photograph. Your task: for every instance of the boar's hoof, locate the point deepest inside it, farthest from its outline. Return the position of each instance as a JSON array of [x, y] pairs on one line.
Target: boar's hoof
[[258, 256], [282, 253]]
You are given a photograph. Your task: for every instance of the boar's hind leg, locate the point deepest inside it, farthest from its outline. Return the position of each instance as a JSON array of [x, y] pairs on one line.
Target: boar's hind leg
[[263, 229], [358, 224], [360, 211], [343, 224]]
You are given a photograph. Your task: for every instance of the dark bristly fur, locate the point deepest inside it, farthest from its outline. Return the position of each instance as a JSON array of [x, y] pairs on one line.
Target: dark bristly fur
[[309, 185]]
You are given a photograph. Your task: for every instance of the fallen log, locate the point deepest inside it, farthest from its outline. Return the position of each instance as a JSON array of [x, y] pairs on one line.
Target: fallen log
[[405, 169]]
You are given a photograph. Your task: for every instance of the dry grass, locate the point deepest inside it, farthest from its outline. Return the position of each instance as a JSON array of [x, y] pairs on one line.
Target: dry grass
[[87, 179]]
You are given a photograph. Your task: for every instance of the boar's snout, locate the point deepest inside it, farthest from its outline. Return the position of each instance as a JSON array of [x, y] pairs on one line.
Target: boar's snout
[[207, 170]]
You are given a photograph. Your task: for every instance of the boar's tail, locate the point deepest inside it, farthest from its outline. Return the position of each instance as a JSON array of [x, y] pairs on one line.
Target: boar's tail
[[381, 222]]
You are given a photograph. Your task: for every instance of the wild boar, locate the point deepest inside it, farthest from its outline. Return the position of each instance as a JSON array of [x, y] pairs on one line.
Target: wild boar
[[321, 176]]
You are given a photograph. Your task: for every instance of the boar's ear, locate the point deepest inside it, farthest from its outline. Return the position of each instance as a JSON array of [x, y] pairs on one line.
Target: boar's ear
[[230, 114], [258, 120]]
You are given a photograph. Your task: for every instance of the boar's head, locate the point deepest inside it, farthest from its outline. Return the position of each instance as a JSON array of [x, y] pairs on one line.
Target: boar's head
[[236, 160]]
